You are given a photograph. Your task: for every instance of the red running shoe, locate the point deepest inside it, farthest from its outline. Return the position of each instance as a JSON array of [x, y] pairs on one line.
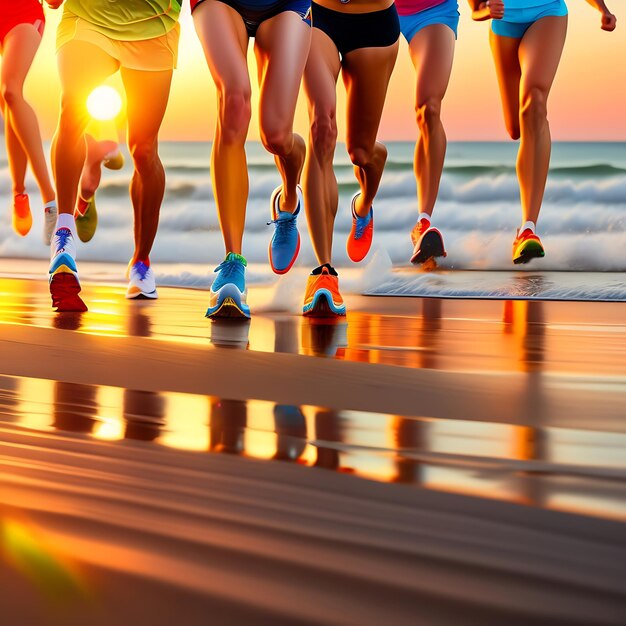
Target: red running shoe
[[427, 242], [361, 234], [527, 246]]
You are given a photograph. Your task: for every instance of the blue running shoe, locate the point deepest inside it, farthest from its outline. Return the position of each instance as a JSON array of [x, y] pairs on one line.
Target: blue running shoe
[[285, 243], [227, 296]]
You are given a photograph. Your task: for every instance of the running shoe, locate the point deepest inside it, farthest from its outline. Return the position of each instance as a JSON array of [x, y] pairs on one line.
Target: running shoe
[[361, 233], [527, 246], [227, 296], [427, 242], [50, 213], [63, 274], [86, 218], [141, 283], [22, 218], [114, 160], [285, 243], [322, 297]]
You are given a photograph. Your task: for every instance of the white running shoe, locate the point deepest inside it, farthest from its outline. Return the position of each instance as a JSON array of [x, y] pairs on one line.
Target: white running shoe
[[50, 213], [141, 283]]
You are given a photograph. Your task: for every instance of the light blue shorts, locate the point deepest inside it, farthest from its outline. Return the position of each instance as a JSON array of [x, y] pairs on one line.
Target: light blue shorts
[[445, 13], [517, 21]]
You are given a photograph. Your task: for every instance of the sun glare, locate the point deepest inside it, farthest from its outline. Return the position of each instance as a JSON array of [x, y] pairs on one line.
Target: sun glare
[[104, 103]]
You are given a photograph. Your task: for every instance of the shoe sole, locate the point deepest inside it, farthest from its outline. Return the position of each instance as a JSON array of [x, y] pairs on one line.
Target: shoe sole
[[431, 248], [142, 295], [64, 290], [323, 306], [228, 309], [532, 250]]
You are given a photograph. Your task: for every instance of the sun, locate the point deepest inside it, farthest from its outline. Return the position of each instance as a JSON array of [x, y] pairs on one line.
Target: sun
[[104, 103]]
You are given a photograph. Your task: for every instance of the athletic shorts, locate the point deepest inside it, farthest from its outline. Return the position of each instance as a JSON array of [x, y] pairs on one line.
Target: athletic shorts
[[149, 55], [446, 13], [353, 31], [16, 12], [517, 21], [254, 14]]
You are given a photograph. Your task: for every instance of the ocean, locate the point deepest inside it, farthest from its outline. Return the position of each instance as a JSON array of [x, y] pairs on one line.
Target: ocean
[[582, 223]]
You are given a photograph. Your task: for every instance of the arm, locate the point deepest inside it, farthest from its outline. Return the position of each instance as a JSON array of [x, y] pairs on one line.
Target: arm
[[608, 19], [489, 9]]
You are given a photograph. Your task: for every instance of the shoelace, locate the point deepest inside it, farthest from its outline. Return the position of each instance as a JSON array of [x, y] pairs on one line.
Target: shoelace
[[284, 229], [141, 269], [229, 271], [361, 225], [62, 237]]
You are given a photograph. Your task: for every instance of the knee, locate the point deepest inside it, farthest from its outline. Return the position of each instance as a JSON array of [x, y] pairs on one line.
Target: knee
[[235, 114], [512, 127], [324, 133], [144, 154], [360, 154], [428, 114], [277, 139], [11, 93], [533, 110], [73, 115]]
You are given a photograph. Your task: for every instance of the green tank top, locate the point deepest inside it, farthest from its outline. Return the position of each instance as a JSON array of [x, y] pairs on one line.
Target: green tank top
[[128, 20]]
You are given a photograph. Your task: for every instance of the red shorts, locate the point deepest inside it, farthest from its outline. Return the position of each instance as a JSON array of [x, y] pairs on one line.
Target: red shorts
[[16, 12]]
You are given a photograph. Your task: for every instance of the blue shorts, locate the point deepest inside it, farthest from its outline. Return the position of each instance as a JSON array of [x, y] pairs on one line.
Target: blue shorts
[[517, 21], [445, 13]]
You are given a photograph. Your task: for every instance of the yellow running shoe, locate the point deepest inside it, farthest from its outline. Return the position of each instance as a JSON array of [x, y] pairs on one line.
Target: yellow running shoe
[[86, 218]]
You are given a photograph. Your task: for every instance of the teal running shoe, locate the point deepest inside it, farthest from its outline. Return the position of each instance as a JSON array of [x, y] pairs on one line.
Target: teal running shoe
[[228, 293], [285, 243]]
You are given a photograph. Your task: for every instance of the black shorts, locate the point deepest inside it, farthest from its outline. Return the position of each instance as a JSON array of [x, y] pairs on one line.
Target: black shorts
[[253, 13], [352, 31]]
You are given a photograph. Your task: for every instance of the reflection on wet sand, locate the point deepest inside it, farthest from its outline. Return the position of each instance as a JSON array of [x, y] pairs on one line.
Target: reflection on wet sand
[[548, 467], [531, 462]]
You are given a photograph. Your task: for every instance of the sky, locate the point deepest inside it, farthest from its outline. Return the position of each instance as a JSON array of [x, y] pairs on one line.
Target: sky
[[587, 103]]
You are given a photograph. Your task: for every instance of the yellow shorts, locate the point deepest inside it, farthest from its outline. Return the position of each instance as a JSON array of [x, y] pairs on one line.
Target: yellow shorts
[[151, 55]]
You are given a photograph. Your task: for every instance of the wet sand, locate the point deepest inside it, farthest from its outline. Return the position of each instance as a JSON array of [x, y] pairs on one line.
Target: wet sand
[[157, 467]]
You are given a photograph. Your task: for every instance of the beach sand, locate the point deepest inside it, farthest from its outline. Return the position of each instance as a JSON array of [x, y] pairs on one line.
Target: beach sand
[[158, 468]]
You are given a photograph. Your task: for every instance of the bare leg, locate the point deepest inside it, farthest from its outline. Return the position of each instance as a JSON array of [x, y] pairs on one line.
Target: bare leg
[[18, 160], [432, 52], [92, 170], [281, 47], [18, 52], [366, 74], [82, 66], [505, 51], [321, 195], [148, 183], [539, 53], [225, 41]]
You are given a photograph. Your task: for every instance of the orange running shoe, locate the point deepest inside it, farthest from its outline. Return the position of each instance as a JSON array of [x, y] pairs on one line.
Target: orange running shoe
[[22, 218], [361, 234], [527, 246], [427, 242], [322, 297]]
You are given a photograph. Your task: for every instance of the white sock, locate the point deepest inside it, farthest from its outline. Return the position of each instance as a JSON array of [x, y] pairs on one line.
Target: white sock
[[424, 216], [50, 205], [66, 220], [528, 225]]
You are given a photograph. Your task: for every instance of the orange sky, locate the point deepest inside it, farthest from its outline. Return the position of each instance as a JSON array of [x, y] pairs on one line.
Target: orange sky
[[588, 101]]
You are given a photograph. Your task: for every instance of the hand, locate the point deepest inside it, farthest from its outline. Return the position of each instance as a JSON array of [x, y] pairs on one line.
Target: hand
[[54, 4], [609, 21], [496, 9]]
